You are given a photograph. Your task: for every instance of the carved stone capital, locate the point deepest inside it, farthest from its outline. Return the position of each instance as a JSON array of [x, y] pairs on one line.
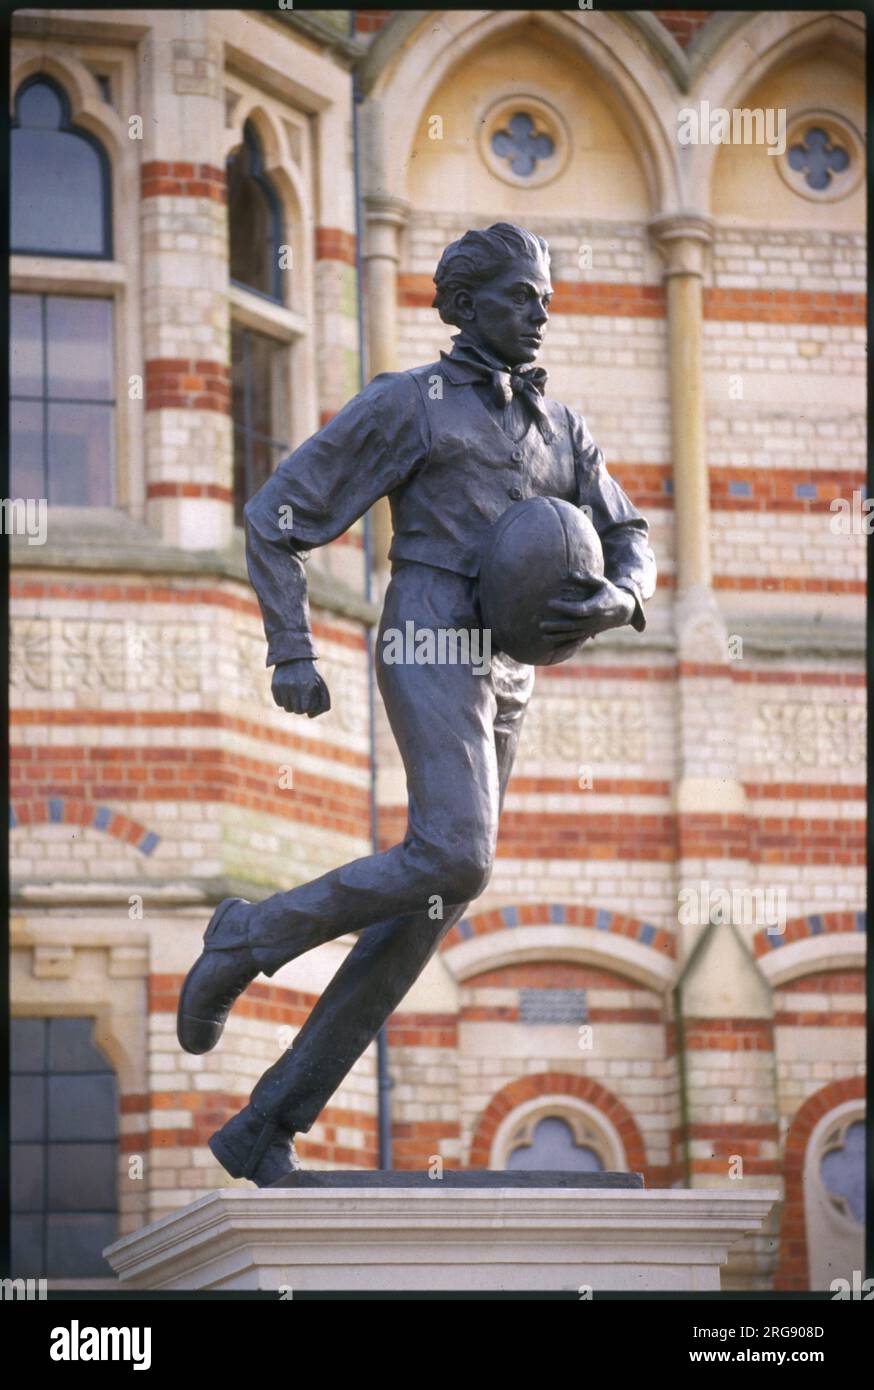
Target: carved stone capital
[[682, 238]]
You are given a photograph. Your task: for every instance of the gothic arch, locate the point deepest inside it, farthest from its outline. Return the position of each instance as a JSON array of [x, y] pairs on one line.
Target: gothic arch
[[557, 1084], [410, 61]]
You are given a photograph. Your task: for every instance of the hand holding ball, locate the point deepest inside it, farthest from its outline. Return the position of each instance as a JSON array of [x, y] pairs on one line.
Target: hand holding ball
[[542, 586]]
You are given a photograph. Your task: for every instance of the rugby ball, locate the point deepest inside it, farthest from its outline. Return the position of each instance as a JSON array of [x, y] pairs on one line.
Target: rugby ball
[[529, 554]]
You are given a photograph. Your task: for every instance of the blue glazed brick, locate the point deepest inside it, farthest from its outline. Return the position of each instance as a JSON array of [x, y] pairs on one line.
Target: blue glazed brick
[[805, 490], [740, 489], [815, 925], [149, 842], [465, 929], [556, 912], [603, 920], [56, 809], [102, 817], [646, 934], [12, 819], [860, 921], [510, 916]]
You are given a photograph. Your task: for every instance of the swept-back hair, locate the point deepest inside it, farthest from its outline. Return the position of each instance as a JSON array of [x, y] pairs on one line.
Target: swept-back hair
[[478, 257]]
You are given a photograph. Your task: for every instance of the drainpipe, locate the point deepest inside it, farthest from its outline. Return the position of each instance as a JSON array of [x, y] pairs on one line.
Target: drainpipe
[[384, 1082]]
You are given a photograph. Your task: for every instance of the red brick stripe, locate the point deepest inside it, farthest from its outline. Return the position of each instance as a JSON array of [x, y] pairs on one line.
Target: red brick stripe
[[423, 1030], [333, 244], [801, 791], [147, 774], [121, 591], [648, 301], [163, 719], [210, 490], [159, 179], [826, 982], [787, 585], [683, 24], [728, 1035], [785, 306], [819, 1020], [178, 383]]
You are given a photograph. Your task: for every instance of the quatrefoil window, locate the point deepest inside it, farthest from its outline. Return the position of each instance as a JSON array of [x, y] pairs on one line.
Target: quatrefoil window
[[818, 159], [824, 159], [522, 144], [524, 140]]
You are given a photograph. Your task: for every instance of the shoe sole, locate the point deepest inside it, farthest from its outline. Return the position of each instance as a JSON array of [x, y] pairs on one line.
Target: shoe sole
[[199, 1035]]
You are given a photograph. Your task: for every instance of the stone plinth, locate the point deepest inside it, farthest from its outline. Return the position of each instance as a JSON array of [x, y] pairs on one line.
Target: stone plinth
[[438, 1235]]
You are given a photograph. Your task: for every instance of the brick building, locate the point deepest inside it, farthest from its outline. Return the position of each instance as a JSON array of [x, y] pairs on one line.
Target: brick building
[[665, 972]]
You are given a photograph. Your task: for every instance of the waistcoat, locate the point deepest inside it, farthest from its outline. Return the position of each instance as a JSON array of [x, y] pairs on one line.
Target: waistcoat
[[474, 471]]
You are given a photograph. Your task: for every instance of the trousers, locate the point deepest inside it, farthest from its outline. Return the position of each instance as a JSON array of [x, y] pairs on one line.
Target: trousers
[[457, 732]]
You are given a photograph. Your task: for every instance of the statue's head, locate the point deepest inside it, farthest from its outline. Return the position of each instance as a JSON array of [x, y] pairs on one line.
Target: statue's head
[[495, 286]]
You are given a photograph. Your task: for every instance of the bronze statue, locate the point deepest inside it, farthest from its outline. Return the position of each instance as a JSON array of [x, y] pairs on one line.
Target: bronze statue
[[452, 444]]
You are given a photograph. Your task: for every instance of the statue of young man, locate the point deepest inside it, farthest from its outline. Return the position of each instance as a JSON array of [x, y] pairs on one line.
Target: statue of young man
[[452, 444]]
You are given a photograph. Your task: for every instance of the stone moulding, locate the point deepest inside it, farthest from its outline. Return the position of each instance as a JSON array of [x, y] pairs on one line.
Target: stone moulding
[[486, 1238]]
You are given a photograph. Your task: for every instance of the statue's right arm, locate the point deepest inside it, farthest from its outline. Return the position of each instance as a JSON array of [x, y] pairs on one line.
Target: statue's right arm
[[367, 450]]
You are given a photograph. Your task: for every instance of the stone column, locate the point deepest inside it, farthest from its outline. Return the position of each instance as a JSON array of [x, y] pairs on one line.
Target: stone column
[[385, 216], [709, 799], [730, 1137], [186, 348]]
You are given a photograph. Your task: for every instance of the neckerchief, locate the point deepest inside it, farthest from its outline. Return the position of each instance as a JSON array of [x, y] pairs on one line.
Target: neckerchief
[[529, 383]]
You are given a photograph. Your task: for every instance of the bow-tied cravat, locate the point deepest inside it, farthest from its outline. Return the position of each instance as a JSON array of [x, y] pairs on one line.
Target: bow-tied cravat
[[530, 384]]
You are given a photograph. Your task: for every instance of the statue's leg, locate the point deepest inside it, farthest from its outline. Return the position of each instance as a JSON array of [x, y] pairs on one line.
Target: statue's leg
[[380, 968], [443, 718]]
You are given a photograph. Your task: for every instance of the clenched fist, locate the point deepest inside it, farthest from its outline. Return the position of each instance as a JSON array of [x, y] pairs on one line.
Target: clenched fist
[[298, 688]]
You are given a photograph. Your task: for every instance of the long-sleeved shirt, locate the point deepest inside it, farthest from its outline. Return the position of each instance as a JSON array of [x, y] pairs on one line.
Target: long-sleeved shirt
[[450, 459]]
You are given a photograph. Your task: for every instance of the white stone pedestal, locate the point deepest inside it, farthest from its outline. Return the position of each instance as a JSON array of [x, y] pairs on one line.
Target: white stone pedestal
[[489, 1238]]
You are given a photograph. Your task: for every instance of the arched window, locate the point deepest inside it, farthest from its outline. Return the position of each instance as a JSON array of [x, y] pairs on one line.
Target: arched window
[[551, 1143], [61, 193], [254, 219]]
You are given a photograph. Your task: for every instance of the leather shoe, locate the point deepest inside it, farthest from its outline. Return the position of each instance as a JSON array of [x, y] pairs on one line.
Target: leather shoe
[[252, 1146], [217, 978]]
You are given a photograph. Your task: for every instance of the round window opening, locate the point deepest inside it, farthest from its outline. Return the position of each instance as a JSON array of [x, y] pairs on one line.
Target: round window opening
[[824, 156], [524, 141]]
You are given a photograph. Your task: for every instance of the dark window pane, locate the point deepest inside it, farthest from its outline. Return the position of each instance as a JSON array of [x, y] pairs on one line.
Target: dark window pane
[[25, 345], [26, 469], [40, 107], [82, 1107], [254, 220], [79, 333], [28, 1260], [57, 194], [28, 1177], [263, 351], [27, 1038], [81, 455], [81, 1177], [254, 358], [553, 1147], [75, 1243], [71, 1046], [27, 1105]]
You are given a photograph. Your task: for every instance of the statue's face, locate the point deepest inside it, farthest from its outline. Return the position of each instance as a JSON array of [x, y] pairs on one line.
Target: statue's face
[[510, 313]]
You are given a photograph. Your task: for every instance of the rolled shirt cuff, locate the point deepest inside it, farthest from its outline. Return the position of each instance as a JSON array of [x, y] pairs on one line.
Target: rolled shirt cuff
[[292, 644], [638, 617]]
